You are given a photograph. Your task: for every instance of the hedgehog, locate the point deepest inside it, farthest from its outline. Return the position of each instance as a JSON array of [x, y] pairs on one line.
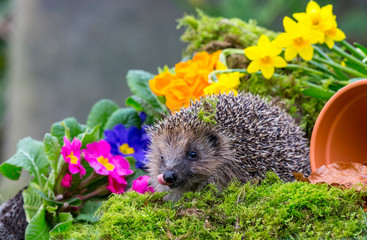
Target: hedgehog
[[221, 138]]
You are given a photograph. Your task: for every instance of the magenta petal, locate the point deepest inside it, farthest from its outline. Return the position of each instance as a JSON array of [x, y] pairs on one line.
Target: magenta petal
[[115, 186], [140, 185], [66, 180]]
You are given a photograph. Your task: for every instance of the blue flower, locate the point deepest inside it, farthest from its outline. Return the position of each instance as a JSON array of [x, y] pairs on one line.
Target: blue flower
[[128, 142]]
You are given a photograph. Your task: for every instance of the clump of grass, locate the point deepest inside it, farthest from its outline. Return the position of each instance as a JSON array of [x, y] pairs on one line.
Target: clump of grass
[[271, 209]]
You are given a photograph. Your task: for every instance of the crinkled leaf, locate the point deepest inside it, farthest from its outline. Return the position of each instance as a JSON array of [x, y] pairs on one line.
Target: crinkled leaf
[[87, 213], [141, 105], [32, 203], [138, 82], [127, 116], [63, 222], [348, 175], [100, 113], [52, 149], [317, 91], [31, 156], [75, 128], [90, 135], [38, 228]]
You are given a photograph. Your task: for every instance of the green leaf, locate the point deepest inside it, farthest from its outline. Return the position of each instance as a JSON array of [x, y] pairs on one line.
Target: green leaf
[[317, 91], [75, 128], [138, 82], [127, 116], [38, 228], [63, 222], [32, 203], [352, 80], [362, 48], [31, 156], [100, 113], [52, 149], [90, 135], [10, 171], [87, 213], [141, 105]]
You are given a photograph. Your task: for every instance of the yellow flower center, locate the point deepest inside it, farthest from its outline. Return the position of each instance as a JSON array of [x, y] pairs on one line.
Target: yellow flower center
[[73, 159], [266, 61], [104, 161], [126, 149], [299, 42]]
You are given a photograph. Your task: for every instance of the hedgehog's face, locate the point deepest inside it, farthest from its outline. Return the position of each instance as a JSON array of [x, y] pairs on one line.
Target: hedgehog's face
[[184, 159]]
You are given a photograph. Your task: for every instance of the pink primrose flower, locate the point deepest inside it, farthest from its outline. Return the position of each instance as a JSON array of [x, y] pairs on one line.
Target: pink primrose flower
[[66, 180], [116, 187], [99, 157], [71, 153], [141, 185]]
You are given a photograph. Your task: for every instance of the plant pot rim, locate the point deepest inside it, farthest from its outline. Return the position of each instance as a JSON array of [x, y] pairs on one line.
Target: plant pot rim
[[331, 113]]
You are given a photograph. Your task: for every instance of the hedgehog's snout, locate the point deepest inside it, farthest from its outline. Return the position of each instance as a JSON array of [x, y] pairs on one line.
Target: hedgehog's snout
[[170, 176]]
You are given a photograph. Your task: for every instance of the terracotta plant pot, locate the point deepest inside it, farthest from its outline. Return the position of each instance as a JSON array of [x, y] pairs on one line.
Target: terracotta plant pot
[[340, 131]]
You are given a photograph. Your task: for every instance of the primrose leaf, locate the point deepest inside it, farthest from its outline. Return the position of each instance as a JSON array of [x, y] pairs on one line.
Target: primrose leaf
[[100, 113], [32, 203], [87, 213], [141, 105], [10, 171], [138, 82], [31, 156], [52, 149], [38, 228], [75, 128], [63, 222], [90, 135], [127, 116]]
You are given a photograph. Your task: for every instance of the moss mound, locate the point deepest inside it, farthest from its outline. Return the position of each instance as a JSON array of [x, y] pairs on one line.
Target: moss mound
[[271, 209]]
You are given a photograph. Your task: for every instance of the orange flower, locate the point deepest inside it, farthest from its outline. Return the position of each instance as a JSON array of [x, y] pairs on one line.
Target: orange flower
[[161, 82], [188, 82]]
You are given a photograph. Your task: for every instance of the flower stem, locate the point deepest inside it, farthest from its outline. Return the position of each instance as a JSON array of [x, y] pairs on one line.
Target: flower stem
[[346, 55], [341, 74], [102, 190], [307, 69], [336, 65]]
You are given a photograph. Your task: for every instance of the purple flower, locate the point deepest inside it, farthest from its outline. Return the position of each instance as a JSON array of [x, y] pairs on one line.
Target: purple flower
[[128, 142], [103, 162], [141, 185], [71, 153]]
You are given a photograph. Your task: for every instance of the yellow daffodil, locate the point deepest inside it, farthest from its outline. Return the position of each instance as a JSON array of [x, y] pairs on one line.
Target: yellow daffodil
[[264, 57], [320, 19], [333, 34], [226, 83], [297, 39]]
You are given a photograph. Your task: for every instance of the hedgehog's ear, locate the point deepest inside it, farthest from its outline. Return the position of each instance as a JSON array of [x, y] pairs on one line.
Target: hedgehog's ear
[[213, 140]]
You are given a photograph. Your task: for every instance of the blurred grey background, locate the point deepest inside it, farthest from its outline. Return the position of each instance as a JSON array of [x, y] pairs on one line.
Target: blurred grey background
[[59, 57]]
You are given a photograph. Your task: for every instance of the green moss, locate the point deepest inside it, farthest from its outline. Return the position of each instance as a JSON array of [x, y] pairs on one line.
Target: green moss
[[271, 209]]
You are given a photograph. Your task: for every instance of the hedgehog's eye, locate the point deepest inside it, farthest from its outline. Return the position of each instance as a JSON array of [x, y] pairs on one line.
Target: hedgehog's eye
[[162, 158], [192, 155]]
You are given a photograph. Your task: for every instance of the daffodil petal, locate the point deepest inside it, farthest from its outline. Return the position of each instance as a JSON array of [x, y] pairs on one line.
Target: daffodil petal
[[290, 53], [299, 16], [340, 35], [283, 40], [329, 42], [312, 6], [252, 52], [279, 62], [306, 53], [289, 24], [263, 41], [253, 67], [267, 72]]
